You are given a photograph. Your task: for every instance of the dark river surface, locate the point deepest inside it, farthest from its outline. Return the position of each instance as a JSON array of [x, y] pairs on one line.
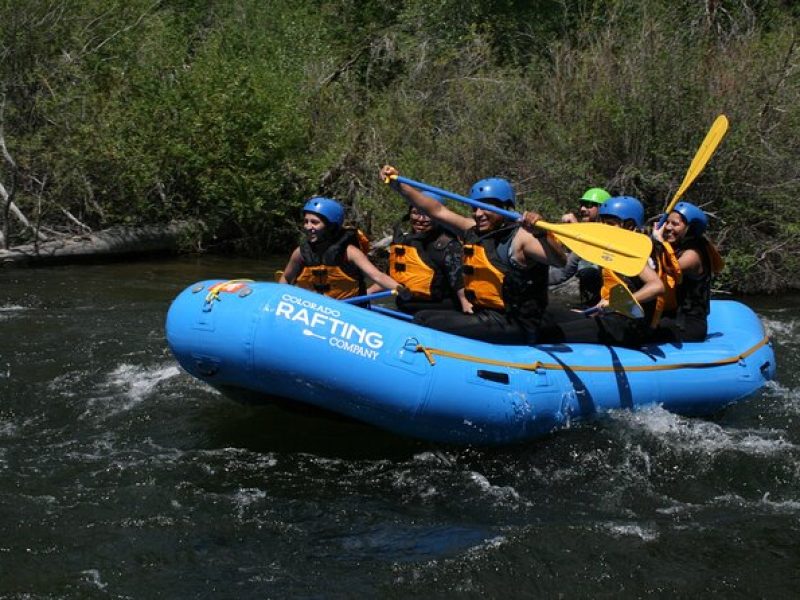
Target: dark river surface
[[123, 477]]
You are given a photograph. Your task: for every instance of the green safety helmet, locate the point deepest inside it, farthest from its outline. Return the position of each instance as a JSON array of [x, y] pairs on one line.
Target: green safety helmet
[[596, 195]]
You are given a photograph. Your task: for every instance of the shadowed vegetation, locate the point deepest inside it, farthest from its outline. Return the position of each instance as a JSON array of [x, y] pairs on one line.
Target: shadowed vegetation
[[234, 112]]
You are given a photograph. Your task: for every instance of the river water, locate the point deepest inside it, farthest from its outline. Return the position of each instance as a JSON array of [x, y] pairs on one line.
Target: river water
[[122, 477]]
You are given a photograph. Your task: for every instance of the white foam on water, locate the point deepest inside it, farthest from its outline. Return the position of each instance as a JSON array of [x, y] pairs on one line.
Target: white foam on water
[[11, 311], [244, 498], [789, 397], [677, 508], [697, 435], [782, 506], [67, 384], [162, 521], [436, 457], [785, 332], [504, 493], [618, 530], [764, 503], [138, 382], [12, 308], [129, 385], [8, 429], [93, 578], [479, 552]]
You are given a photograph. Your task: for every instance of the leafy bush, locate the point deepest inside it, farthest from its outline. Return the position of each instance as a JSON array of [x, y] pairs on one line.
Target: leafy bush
[[233, 113]]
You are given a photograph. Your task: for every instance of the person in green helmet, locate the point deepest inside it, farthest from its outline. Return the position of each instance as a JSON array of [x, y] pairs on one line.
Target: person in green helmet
[[588, 274]]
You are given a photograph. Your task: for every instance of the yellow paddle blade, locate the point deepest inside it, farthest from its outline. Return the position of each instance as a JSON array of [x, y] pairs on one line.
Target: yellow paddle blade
[[710, 143], [621, 300], [612, 247]]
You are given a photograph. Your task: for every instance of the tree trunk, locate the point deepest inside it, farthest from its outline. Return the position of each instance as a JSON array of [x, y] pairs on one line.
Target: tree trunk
[[107, 243]]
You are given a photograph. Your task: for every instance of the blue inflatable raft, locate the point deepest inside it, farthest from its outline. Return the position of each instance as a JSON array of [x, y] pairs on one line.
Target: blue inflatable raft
[[276, 341]]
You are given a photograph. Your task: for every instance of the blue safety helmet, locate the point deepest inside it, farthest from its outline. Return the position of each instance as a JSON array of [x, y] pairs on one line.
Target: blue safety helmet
[[328, 209], [623, 208], [694, 217], [493, 188]]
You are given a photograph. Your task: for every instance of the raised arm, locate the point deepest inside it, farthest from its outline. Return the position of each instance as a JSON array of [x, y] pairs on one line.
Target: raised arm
[[539, 246], [438, 212]]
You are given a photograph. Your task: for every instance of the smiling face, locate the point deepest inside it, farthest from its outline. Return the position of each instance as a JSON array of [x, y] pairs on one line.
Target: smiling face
[[313, 225], [487, 220], [587, 211], [675, 228], [420, 221]]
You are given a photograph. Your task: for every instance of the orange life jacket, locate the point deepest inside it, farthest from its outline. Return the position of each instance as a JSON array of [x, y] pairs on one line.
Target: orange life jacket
[[669, 271], [418, 262], [327, 271], [483, 281], [329, 280], [491, 281]]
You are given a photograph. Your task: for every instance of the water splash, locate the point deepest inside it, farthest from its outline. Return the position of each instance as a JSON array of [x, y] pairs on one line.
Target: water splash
[[502, 493], [784, 332], [617, 530], [698, 436], [11, 311], [128, 386], [93, 578]]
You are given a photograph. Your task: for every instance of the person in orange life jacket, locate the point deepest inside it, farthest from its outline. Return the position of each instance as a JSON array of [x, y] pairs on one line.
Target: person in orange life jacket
[[427, 261], [329, 261], [614, 329], [687, 260], [504, 264], [589, 280]]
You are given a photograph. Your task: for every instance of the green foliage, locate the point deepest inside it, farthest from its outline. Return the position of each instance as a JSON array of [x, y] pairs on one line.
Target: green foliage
[[234, 112]]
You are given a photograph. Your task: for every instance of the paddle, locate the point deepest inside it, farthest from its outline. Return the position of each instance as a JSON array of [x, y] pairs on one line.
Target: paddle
[[391, 313], [707, 148], [618, 249], [381, 309], [620, 300], [370, 297]]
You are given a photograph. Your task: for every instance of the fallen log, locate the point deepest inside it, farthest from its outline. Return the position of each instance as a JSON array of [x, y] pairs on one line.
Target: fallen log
[[111, 242]]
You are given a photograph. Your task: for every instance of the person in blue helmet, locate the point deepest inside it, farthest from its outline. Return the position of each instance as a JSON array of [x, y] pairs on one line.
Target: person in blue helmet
[[587, 274], [612, 328], [504, 265], [330, 261], [426, 258], [686, 261]]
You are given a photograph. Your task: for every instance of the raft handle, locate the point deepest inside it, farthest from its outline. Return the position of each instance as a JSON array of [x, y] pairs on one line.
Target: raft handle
[[493, 376]]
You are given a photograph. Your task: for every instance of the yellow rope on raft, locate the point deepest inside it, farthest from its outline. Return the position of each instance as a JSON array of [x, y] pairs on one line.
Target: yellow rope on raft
[[430, 352], [235, 286]]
